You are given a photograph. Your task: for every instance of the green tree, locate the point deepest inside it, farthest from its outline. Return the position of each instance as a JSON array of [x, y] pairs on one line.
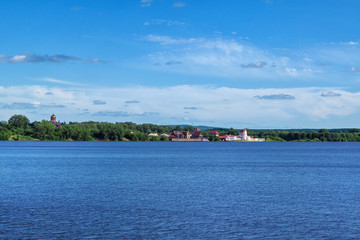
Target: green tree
[[163, 138], [154, 138], [189, 128], [177, 128], [44, 130], [5, 134], [18, 122], [261, 134], [232, 131]]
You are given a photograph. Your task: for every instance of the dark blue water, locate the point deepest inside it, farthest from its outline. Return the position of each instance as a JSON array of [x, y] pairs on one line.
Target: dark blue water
[[166, 190]]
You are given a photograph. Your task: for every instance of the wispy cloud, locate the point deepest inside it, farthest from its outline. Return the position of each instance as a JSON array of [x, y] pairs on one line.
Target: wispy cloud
[[343, 54], [354, 69], [163, 22], [173, 62], [169, 40], [28, 106], [350, 43], [146, 3], [57, 81], [233, 57], [124, 114], [191, 108], [132, 101], [224, 57], [330, 94], [99, 102], [36, 58], [179, 4], [254, 65], [276, 97]]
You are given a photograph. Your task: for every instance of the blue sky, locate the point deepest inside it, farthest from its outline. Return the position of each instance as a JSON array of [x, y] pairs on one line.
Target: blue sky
[[255, 64]]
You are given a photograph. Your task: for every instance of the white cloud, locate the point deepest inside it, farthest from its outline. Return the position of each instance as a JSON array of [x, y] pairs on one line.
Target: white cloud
[[330, 94], [201, 104], [291, 71], [169, 40], [18, 58], [227, 58], [351, 43], [236, 58]]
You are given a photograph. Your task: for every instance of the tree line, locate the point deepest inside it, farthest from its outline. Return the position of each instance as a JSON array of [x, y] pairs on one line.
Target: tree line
[[306, 135], [18, 127]]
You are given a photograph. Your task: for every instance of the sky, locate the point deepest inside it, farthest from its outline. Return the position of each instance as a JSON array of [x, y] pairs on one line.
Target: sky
[[255, 63]]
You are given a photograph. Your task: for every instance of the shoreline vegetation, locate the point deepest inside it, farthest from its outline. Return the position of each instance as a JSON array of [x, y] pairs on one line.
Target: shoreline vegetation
[[19, 128]]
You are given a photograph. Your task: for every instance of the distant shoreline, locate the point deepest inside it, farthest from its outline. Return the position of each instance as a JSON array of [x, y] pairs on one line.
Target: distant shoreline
[[19, 128]]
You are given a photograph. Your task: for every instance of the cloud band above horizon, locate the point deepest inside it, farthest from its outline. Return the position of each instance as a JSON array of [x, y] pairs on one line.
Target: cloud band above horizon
[[221, 106]]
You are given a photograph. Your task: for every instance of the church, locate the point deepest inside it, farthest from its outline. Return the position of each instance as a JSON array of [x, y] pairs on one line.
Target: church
[[53, 121]]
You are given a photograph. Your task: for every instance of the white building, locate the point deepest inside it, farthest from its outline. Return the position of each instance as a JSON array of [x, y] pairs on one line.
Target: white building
[[245, 137]]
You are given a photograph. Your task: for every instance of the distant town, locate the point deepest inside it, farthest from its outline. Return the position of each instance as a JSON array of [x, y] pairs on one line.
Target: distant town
[[197, 136], [19, 128], [186, 136]]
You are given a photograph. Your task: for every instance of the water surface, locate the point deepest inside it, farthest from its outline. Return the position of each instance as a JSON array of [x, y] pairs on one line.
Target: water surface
[[179, 190]]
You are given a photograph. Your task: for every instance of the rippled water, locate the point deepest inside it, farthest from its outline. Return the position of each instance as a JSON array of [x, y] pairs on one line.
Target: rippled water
[[165, 190]]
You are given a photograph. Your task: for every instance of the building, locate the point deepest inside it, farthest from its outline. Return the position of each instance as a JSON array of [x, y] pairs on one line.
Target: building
[[185, 135], [243, 136], [182, 136], [229, 138], [53, 121], [214, 133], [197, 135]]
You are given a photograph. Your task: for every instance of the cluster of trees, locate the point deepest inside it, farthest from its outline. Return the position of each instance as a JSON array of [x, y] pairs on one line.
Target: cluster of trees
[[18, 127]]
